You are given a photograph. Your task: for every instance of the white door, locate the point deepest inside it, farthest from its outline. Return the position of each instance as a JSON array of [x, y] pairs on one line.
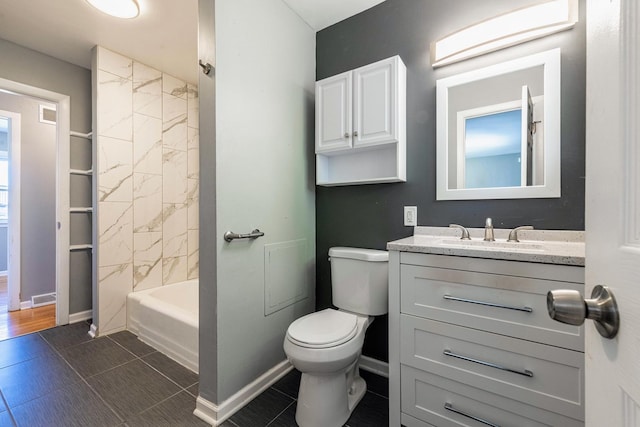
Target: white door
[[375, 103], [333, 113], [613, 208]]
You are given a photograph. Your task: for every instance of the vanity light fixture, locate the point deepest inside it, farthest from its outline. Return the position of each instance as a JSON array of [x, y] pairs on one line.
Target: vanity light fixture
[[125, 9], [505, 30]]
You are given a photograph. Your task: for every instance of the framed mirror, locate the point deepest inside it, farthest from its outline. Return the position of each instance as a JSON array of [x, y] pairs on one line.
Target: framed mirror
[[498, 131]]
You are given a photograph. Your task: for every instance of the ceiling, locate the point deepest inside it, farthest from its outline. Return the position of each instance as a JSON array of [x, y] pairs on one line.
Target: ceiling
[[164, 36], [319, 14]]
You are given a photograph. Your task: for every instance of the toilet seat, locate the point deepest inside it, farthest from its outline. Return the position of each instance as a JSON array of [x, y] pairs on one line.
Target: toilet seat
[[323, 329]]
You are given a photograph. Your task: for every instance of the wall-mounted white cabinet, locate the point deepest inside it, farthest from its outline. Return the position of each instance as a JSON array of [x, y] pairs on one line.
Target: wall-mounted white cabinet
[[361, 125]]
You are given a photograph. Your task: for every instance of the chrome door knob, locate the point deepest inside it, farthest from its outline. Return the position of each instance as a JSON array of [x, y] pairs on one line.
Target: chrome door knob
[[567, 306]]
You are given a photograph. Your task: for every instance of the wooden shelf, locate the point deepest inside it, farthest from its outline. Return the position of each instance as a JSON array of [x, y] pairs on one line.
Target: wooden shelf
[[81, 135], [87, 172], [84, 247], [81, 210]]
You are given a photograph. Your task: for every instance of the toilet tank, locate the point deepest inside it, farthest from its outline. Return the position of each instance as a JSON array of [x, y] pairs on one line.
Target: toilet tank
[[360, 280]]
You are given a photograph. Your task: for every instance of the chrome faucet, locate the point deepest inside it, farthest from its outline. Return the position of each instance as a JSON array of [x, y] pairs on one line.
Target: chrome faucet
[[488, 231], [513, 234], [465, 232]]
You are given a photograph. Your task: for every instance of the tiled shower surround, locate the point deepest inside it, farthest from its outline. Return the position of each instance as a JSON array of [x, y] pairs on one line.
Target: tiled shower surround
[[146, 173]]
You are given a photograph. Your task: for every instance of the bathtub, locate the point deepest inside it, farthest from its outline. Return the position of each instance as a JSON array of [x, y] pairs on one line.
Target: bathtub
[[166, 318]]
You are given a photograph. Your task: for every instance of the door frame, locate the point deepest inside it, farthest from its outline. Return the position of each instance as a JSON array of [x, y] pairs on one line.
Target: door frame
[[13, 247], [62, 188]]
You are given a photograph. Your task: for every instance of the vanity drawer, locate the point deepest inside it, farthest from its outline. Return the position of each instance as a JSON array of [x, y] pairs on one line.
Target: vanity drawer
[[544, 376], [508, 305], [426, 397]]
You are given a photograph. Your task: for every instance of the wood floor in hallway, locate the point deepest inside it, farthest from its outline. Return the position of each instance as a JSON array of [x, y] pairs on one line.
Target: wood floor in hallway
[[15, 323]]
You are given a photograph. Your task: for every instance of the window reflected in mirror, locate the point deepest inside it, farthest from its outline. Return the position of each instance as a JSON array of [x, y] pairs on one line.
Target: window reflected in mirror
[[493, 150]]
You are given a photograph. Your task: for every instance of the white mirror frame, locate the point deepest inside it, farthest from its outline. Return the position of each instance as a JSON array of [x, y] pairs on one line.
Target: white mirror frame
[[551, 188]]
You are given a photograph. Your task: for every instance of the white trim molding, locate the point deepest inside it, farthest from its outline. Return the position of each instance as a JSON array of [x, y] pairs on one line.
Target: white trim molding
[[13, 231], [217, 414], [374, 366], [80, 316]]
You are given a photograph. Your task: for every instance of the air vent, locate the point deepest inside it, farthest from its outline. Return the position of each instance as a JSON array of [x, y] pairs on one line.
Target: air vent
[[44, 299], [48, 114]]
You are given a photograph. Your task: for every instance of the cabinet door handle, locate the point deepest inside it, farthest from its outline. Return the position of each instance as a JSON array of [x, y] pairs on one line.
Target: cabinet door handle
[[355, 133], [449, 407], [346, 134], [488, 304], [526, 372]]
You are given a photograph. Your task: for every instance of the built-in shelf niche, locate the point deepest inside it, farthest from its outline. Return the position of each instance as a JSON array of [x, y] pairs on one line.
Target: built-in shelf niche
[[371, 165]]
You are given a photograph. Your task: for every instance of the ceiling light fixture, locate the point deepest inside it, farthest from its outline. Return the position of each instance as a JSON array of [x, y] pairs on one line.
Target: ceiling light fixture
[[126, 9], [505, 30]]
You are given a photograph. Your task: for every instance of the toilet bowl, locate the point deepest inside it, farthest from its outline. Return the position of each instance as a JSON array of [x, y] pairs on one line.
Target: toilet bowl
[[330, 386], [325, 346]]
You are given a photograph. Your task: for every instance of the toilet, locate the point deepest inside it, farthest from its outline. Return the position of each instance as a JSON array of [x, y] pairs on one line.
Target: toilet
[[325, 346]]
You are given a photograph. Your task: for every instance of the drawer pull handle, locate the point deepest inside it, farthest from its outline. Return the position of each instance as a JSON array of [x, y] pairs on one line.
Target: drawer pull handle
[[449, 407], [488, 304], [526, 372]]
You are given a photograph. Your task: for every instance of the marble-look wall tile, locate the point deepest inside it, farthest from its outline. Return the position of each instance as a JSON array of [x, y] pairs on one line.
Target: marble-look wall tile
[[114, 284], [193, 153], [174, 175], [174, 270], [114, 170], [147, 260], [115, 63], [148, 181], [114, 106], [147, 203], [174, 230], [193, 106], [174, 122], [147, 147], [174, 86], [147, 90], [115, 233], [193, 257], [193, 200]]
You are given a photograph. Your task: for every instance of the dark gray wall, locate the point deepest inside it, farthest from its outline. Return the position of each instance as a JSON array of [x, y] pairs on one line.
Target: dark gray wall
[[36, 69], [371, 215]]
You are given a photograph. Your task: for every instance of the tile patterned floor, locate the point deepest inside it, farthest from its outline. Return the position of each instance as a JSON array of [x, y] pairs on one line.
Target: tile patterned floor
[[61, 377]]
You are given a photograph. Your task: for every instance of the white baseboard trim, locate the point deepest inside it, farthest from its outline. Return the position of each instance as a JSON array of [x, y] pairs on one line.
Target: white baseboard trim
[[80, 316], [93, 330], [375, 366], [217, 414], [25, 305]]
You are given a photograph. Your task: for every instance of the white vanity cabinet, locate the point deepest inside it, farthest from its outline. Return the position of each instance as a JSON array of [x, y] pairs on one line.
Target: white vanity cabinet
[[471, 343], [361, 125]]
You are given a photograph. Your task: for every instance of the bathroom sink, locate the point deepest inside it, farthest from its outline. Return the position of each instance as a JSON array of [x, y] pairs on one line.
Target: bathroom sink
[[496, 245]]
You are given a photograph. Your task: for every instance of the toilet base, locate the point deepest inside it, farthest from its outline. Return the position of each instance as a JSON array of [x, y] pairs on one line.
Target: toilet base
[[329, 400]]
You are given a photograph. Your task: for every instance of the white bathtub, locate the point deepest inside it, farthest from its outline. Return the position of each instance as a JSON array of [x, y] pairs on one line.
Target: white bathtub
[[166, 318]]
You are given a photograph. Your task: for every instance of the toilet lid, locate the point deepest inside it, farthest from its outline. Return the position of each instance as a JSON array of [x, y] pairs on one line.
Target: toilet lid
[[326, 328]]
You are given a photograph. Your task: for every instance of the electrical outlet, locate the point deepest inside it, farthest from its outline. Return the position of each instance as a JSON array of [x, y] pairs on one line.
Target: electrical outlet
[[410, 216]]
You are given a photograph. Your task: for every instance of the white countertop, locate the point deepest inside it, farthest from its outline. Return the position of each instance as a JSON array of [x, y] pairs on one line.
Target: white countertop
[[541, 246]]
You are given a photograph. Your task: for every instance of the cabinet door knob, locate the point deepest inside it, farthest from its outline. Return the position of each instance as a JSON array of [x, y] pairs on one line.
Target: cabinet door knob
[[355, 133], [346, 134]]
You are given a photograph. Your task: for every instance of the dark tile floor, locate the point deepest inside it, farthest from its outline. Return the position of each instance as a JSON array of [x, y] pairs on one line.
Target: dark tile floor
[[61, 377]]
